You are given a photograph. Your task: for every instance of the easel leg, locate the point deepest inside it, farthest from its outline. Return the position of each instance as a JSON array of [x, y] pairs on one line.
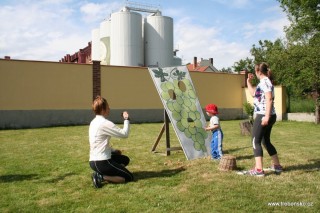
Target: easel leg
[[158, 138], [166, 124], [165, 127]]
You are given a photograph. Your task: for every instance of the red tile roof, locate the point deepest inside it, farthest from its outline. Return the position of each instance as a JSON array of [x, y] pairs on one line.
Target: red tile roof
[[197, 68]]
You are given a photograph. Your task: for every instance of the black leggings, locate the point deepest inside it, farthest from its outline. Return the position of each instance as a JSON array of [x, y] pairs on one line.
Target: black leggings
[[113, 167], [261, 135]]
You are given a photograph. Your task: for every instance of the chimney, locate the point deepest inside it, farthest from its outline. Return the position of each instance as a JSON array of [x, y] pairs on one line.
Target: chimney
[[195, 63], [96, 79], [211, 61], [68, 58], [81, 57]]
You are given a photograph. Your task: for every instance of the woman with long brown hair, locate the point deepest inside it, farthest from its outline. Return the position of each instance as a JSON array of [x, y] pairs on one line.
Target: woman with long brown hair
[[265, 117]]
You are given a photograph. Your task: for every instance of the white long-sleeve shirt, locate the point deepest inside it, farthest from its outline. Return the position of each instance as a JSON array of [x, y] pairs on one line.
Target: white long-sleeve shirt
[[100, 132]]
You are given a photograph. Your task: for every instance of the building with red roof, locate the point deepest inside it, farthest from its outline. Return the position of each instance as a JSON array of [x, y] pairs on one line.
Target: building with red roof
[[205, 65]]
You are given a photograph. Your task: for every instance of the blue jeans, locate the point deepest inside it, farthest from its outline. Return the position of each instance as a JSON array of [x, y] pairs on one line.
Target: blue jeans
[[216, 144]]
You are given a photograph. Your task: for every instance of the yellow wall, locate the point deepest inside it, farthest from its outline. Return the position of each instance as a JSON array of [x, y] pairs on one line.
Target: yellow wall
[[61, 93], [29, 85], [134, 88], [224, 90], [129, 87]]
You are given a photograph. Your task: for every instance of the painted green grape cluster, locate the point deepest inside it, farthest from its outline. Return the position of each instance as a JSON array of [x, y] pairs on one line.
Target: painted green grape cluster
[[181, 101]]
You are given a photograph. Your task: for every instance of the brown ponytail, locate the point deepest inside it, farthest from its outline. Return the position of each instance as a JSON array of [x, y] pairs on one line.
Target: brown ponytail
[[264, 68], [99, 104]]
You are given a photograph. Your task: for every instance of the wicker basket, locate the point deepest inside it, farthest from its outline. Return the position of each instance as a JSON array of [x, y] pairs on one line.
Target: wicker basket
[[227, 163]]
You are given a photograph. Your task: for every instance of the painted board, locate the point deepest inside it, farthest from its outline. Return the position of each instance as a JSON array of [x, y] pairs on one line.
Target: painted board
[[179, 98]]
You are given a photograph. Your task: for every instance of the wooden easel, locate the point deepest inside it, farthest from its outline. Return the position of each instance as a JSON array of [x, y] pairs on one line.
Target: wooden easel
[[165, 127]]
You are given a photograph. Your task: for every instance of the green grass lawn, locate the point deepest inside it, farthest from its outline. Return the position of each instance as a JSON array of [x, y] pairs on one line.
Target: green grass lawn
[[47, 170]]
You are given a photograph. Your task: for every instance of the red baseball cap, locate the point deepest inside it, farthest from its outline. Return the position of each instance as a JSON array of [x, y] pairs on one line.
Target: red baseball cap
[[212, 108]]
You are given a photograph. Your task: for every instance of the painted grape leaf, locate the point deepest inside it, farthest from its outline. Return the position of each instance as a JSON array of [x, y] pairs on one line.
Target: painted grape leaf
[[160, 74]]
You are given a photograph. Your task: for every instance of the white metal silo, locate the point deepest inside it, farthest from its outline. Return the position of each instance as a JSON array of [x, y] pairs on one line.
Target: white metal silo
[[126, 39], [105, 32], [158, 41], [95, 45]]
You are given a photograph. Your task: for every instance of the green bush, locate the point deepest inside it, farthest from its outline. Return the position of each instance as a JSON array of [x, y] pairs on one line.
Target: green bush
[[301, 105], [248, 109]]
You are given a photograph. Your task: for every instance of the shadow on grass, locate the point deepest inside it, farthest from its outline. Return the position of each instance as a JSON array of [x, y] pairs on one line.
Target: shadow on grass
[[153, 174], [244, 157], [315, 166], [229, 151], [59, 178], [14, 178]]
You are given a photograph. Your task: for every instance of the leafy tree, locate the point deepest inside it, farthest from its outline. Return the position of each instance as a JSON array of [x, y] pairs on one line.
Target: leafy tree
[[295, 61], [304, 16], [262, 52], [303, 46], [226, 70], [246, 64], [276, 55]]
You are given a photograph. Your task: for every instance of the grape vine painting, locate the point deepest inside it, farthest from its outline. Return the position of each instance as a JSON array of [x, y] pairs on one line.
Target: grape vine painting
[[179, 98]]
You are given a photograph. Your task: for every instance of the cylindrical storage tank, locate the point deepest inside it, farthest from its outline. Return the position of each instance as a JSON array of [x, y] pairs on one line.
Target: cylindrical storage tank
[[158, 41], [95, 45], [176, 61], [126, 39], [105, 32]]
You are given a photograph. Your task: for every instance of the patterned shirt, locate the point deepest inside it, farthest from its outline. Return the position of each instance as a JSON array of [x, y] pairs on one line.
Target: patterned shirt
[[259, 101]]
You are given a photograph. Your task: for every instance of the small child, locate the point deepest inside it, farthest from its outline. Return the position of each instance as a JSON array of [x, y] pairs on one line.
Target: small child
[[215, 128]]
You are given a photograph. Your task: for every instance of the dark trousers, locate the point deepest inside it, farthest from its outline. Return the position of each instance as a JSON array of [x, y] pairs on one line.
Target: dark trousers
[[261, 135], [113, 167]]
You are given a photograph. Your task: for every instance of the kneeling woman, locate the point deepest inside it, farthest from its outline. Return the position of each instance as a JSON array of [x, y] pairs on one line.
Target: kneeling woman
[[108, 164]]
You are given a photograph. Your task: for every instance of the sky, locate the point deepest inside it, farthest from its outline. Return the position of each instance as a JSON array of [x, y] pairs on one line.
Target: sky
[[225, 30]]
